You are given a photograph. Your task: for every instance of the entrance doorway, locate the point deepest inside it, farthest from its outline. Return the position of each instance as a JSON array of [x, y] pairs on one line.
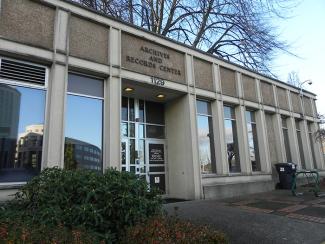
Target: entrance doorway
[[143, 144]]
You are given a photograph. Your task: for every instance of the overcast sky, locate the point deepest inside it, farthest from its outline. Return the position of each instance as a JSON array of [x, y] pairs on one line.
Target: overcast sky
[[306, 32]]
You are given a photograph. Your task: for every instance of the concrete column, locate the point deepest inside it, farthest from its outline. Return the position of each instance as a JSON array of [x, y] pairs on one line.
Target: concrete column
[[219, 137], [189, 70], [53, 141], [54, 119], [182, 148], [113, 97], [319, 157], [245, 163], [216, 77], [294, 147], [263, 142], [61, 30], [306, 145], [258, 91], [112, 117]]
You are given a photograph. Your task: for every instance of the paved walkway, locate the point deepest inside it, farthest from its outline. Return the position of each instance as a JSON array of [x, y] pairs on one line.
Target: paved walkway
[[273, 217]]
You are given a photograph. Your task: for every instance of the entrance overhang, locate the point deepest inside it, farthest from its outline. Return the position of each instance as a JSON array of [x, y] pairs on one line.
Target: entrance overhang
[[149, 92]]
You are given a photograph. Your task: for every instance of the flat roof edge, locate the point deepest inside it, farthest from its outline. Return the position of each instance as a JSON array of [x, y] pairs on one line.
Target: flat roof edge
[[182, 44]]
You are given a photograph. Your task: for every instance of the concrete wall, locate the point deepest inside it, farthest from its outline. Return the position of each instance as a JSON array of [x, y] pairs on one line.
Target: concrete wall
[[88, 40], [149, 58], [27, 22], [296, 102], [307, 106], [183, 165], [267, 93], [282, 98], [203, 75], [249, 87], [228, 82], [237, 186]]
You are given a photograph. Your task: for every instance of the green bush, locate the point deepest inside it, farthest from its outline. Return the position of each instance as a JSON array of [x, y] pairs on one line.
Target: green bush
[[104, 203], [160, 229]]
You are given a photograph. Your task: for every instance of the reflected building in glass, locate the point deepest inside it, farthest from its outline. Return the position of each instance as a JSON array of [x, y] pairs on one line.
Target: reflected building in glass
[[9, 119], [29, 148], [82, 155]]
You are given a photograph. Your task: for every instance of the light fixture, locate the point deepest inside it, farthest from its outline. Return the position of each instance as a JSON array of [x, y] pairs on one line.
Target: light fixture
[[160, 96], [309, 82], [128, 89]]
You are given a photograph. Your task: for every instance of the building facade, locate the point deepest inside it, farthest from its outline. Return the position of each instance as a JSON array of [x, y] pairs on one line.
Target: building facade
[[108, 94]]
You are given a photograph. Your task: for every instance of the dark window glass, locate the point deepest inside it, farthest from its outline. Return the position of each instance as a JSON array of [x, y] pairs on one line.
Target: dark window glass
[[124, 109], [131, 109], [141, 111], [132, 151], [123, 152], [203, 107], [284, 121], [154, 131], [132, 130], [231, 140], [155, 113], [84, 122], [85, 85], [21, 132], [253, 141]]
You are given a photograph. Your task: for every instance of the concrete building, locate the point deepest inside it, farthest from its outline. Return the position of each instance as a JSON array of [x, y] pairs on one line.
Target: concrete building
[[192, 124]]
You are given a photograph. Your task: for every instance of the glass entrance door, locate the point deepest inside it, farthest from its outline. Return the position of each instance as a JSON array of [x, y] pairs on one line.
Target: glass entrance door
[[143, 140]]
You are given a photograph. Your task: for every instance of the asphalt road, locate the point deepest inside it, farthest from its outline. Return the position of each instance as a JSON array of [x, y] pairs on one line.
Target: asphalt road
[[243, 227]]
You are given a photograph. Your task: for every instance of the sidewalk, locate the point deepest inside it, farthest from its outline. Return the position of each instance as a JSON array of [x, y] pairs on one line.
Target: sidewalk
[[273, 217]]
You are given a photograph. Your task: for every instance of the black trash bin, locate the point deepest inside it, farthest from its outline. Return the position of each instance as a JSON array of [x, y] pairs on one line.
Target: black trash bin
[[286, 172]]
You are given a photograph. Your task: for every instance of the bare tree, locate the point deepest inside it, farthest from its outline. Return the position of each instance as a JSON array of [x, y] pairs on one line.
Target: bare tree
[[236, 30], [293, 78]]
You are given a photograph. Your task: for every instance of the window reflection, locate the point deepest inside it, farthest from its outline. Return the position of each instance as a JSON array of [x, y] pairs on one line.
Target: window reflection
[[253, 141], [83, 132], [205, 136], [155, 113], [21, 132], [231, 140]]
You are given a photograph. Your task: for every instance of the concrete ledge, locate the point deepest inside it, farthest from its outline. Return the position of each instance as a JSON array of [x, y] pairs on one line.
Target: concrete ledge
[[7, 194], [219, 191], [211, 180]]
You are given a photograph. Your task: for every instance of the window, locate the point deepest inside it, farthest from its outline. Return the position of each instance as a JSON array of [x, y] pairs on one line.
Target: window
[[286, 138], [231, 139], [253, 141], [205, 134], [311, 140], [84, 122], [301, 149], [22, 106]]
